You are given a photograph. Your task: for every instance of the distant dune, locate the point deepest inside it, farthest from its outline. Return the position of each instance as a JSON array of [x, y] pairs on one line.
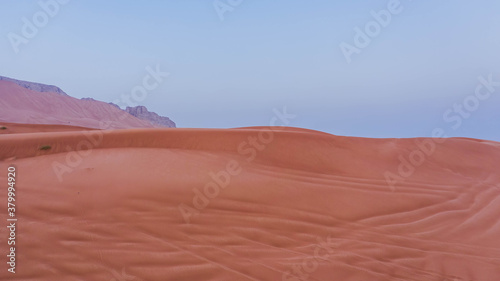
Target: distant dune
[[245, 204], [16, 128]]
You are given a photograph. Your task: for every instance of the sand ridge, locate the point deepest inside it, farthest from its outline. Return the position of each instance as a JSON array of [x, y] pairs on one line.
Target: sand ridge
[[304, 205]]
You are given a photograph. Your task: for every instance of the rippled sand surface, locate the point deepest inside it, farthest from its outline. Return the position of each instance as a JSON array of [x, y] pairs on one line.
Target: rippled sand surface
[[206, 204]]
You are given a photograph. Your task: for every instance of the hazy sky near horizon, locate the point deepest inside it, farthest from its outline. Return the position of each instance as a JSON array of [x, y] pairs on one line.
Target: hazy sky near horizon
[[231, 72]]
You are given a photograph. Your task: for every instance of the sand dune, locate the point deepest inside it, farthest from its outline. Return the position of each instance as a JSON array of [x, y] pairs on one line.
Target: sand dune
[[247, 204], [21, 105], [16, 128]]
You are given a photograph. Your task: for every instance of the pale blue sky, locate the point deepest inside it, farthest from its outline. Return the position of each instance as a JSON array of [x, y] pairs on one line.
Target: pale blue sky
[[268, 54]]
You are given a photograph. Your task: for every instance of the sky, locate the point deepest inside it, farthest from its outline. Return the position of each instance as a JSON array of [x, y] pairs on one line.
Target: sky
[[354, 68]]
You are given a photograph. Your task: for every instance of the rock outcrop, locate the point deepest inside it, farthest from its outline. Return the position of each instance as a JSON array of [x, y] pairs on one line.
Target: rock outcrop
[[143, 113]]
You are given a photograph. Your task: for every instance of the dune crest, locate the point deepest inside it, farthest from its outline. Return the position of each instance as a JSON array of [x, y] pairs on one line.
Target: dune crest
[[250, 204]]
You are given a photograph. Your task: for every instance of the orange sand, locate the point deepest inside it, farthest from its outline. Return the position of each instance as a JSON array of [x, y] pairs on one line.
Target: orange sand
[[16, 128], [309, 203]]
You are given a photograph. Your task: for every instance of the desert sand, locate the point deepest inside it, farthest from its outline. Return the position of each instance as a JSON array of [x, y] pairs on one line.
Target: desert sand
[[300, 205]]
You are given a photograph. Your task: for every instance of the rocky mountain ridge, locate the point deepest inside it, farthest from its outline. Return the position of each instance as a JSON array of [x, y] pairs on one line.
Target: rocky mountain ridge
[[143, 113], [35, 86], [139, 112]]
